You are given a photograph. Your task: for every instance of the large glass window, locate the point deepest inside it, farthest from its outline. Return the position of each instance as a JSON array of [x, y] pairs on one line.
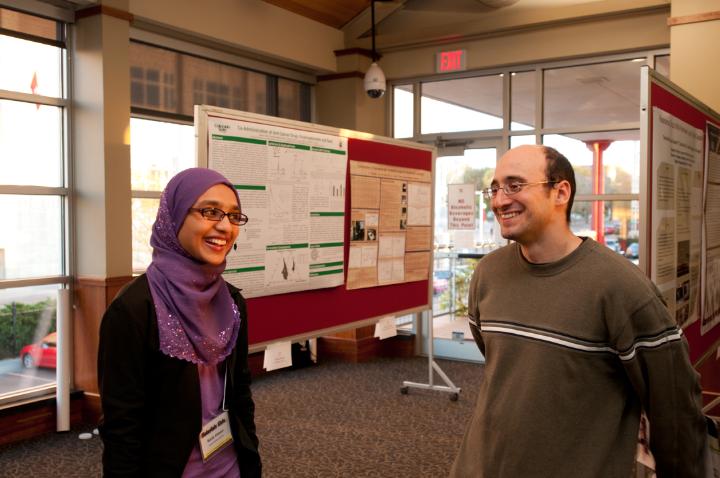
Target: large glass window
[[466, 104], [33, 199], [41, 160], [591, 95], [589, 111], [167, 81], [523, 98], [158, 151], [403, 111], [605, 163], [165, 87]]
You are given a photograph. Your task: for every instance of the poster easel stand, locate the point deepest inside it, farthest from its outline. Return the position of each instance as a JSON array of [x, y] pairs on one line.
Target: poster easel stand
[[449, 387]]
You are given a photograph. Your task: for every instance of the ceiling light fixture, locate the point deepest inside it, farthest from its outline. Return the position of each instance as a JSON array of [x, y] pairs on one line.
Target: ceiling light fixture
[[374, 81]]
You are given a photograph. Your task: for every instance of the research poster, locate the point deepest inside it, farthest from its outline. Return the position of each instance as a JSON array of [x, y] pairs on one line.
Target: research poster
[[711, 231], [390, 225], [677, 150], [292, 187]]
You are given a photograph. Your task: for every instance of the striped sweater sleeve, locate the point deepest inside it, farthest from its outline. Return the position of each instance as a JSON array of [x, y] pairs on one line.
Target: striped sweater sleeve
[[655, 357]]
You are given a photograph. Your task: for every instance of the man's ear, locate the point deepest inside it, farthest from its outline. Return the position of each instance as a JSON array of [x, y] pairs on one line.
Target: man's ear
[[563, 192]]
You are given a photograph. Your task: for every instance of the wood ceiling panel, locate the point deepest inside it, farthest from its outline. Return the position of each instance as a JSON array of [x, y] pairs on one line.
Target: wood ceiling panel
[[335, 13]]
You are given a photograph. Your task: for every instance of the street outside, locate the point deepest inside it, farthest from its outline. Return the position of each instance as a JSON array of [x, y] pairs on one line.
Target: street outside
[[14, 377]]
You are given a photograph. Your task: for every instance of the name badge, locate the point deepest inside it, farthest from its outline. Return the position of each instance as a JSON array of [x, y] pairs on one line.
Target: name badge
[[215, 436]]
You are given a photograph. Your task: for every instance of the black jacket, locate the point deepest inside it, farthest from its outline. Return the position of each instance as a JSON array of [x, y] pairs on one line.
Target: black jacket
[[151, 402]]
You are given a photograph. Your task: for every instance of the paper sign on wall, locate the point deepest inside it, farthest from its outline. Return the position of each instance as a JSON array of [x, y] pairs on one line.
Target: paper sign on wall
[[461, 207]]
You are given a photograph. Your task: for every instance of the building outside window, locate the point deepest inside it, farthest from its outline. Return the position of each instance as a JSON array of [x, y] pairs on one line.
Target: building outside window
[[33, 198]]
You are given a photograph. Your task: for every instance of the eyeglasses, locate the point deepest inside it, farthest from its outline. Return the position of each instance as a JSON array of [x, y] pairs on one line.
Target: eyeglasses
[[215, 214], [510, 188]]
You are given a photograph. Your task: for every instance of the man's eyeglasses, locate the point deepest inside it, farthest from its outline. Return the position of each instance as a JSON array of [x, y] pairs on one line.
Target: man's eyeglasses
[[215, 214], [510, 188]]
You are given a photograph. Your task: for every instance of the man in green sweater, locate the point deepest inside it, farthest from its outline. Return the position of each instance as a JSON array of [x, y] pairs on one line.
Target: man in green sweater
[[577, 342]]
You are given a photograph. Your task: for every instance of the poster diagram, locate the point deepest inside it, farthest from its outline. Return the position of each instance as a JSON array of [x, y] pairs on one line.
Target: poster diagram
[[291, 185]]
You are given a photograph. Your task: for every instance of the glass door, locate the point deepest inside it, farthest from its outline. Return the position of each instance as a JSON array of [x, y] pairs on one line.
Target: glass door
[[456, 252]]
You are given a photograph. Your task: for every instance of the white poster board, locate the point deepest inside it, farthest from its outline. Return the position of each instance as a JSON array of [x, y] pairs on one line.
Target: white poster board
[[677, 215], [292, 187]]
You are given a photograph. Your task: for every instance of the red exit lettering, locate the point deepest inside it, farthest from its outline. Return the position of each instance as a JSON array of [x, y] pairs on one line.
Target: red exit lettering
[[451, 60]]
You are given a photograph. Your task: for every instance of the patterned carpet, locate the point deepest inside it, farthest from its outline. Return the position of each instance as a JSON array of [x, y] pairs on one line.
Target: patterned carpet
[[331, 420]]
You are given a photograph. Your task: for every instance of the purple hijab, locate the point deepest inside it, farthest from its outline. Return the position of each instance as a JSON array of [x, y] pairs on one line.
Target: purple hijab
[[197, 319]]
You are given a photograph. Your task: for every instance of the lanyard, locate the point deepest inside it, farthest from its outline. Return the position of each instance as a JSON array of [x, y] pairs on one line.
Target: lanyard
[[225, 389]]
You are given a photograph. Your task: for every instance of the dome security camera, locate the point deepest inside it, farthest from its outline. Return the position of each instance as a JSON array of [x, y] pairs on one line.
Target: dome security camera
[[374, 82]]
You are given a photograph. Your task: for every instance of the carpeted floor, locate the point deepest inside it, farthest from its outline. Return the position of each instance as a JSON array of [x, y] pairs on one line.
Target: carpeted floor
[[330, 420]]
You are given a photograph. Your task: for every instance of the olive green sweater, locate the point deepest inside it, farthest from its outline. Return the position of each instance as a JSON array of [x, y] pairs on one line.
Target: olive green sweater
[[574, 349]]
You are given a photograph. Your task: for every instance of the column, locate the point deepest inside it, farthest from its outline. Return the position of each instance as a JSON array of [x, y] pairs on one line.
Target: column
[[101, 140]]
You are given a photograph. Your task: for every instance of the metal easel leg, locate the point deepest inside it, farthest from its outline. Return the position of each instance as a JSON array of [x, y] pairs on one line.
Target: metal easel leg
[[449, 387]]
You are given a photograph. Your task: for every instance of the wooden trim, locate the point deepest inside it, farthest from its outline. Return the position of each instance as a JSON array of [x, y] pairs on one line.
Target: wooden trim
[[91, 408], [104, 10], [354, 51], [364, 349], [91, 298], [696, 18], [103, 281], [36, 418], [341, 76]]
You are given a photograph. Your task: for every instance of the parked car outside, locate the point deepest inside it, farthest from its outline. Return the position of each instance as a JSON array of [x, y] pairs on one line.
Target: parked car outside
[[632, 251], [613, 244], [40, 354]]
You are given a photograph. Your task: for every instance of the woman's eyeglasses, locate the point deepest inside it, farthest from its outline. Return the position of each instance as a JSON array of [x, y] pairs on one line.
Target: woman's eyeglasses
[[215, 214]]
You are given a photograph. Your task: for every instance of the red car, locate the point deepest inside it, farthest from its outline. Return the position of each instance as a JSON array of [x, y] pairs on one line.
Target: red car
[[41, 354]]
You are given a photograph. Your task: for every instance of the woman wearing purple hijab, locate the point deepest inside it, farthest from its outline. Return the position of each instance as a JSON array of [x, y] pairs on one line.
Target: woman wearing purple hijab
[[172, 362]]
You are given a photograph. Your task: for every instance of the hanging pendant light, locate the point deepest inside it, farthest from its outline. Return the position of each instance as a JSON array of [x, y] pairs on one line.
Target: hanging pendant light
[[374, 82]]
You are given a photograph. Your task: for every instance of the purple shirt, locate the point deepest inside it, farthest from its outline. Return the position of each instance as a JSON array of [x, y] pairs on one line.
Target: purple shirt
[[224, 464]]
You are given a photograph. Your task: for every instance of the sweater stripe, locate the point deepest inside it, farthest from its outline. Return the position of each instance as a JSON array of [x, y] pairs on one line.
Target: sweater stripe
[[646, 342], [651, 343]]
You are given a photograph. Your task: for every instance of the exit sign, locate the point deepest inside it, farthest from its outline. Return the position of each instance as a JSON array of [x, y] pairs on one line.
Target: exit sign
[[447, 61]]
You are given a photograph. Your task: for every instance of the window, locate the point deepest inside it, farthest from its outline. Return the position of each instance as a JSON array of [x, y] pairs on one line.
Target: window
[[403, 111], [158, 151], [165, 87], [33, 197], [607, 167], [465, 104], [587, 109], [594, 94], [523, 96], [167, 81]]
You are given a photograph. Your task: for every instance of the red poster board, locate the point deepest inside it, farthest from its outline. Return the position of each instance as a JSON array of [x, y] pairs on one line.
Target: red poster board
[[303, 313], [666, 96]]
